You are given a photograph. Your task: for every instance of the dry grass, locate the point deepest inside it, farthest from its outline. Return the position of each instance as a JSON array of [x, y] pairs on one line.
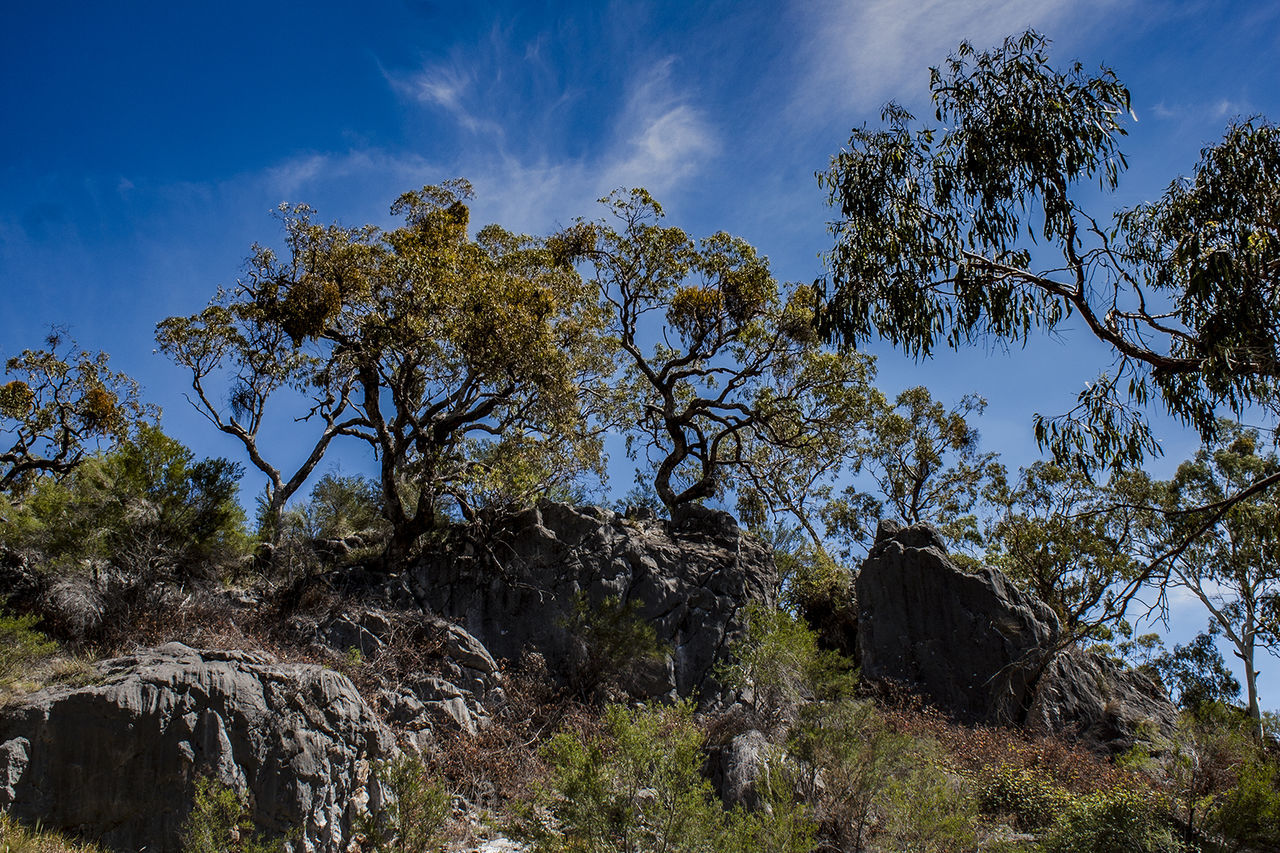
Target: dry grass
[[16, 838], [975, 749]]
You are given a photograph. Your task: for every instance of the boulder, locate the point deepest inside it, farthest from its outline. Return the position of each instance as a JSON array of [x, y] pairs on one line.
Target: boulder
[[982, 650], [522, 589], [116, 761]]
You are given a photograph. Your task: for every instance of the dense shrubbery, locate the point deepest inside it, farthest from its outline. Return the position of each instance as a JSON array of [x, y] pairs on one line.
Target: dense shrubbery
[[635, 785]]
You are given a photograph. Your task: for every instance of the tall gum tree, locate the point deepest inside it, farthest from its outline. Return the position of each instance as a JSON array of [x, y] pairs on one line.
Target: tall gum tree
[[725, 384], [461, 362], [972, 230], [1233, 569]]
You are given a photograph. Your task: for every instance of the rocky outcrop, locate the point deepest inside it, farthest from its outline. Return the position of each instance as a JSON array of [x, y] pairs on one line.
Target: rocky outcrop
[[452, 688], [523, 588], [977, 647], [116, 761]]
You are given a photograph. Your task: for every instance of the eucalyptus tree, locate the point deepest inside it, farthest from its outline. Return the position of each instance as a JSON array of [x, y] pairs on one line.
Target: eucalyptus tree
[[59, 404], [1233, 568], [725, 384], [973, 229], [1070, 541], [927, 464], [460, 361], [241, 357]]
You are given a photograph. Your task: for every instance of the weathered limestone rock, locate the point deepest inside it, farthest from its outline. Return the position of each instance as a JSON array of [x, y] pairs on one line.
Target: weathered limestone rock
[[463, 683], [984, 651], [691, 581], [116, 761]]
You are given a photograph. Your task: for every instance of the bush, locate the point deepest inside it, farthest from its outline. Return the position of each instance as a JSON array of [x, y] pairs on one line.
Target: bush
[[617, 645], [1122, 820], [780, 663], [636, 786], [22, 647], [1031, 800], [219, 823], [146, 511], [415, 813]]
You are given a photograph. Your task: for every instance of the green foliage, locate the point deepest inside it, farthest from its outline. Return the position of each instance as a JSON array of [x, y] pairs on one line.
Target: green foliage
[[872, 787], [780, 663], [635, 787], [1224, 781], [1226, 556], [1248, 813], [931, 246], [463, 363], [22, 647], [1196, 674], [1120, 820], [736, 391], [1068, 541], [926, 463], [220, 822], [146, 509], [618, 644], [1031, 800], [63, 403], [413, 818]]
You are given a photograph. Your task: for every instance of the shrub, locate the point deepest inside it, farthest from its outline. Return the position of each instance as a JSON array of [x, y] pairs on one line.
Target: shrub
[[220, 823], [1031, 800], [415, 813], [617, 645], [635, 786], [1122, 820], [146, 510], [21, 647], [780, 663], [850, 758]]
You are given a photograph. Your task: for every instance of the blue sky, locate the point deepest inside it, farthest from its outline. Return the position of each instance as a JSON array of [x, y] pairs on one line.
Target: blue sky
[[144, 144]]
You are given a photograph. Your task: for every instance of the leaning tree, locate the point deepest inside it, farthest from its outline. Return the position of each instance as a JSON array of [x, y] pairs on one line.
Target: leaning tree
[[974, 229]]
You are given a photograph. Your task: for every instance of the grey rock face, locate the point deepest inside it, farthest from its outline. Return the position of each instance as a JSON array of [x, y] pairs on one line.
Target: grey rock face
[[464, 681], [689, 580], [979, 648], [116, 761]]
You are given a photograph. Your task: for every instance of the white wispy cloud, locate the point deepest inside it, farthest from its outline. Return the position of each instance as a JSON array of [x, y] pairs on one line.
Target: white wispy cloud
[[658, 138], [862, 53]]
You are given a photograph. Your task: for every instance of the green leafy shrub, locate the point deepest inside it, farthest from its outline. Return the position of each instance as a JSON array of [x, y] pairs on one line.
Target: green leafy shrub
[[635, 786], [415, 814], [1121, 820], [21, 646], [1248, 813], [220, 823], [1030, 799], [147, 510], [780, 663], [617, 645]]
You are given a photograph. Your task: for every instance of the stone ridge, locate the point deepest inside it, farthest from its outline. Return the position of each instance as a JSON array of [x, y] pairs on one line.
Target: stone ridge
[[982, 650], [690, 581], [116, 760]]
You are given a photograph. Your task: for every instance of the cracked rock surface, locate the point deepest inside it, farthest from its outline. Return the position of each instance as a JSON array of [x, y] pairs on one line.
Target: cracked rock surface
[[984, 651], [115, 761], [690, 581]]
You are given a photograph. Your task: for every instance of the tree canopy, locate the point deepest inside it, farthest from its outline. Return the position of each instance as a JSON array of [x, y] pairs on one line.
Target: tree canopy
[[725, 381], [973, 229], [61, 404], [460, 361]]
